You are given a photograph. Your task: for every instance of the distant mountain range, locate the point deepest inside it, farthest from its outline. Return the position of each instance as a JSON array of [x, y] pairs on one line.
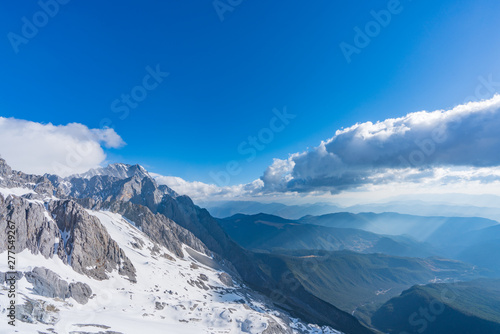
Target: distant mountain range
[[222, 209], [489, 209], [365, 269], [263, 232], [468, 239]]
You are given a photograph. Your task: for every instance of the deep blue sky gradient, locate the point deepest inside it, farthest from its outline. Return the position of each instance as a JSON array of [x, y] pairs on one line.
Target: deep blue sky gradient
[[226, 77]]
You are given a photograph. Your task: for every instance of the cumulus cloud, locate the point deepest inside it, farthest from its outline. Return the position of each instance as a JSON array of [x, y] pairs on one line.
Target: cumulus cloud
[[453, 148], [405, 149], [57, 149]]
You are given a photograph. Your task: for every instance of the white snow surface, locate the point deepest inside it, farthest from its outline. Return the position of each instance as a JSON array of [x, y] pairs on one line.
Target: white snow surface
[[15, 191], [127, 307]]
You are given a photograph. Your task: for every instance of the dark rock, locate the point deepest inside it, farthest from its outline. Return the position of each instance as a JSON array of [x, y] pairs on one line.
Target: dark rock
[[89, 247], [226, 280], [80, 292]]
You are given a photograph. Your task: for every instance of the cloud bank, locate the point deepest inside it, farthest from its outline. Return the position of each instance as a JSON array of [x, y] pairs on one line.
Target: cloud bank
[[459, 147], [46, 148], [406, 149]]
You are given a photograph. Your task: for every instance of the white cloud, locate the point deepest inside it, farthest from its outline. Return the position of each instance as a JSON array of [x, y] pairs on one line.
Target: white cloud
[[434, 152], [46, 148], [406, 149]]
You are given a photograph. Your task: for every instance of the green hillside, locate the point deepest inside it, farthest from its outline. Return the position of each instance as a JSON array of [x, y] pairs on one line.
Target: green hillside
[[454, 308], [358, 283]]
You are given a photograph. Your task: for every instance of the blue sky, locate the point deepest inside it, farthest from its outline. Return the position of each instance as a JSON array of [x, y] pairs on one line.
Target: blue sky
[[226, 77]]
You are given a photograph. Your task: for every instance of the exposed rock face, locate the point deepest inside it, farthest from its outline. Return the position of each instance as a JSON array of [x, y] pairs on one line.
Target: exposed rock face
[[42, 186], [226, 280], [274, 328], [34, 230], [159, 228], [104, 191], [48, 284], [80, 292], [77, 238], [89, 247], [5, 169], [33, 311]]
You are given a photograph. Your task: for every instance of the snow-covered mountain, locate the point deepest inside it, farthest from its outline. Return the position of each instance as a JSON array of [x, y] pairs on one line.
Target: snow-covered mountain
[[121, 171], [113, 252]]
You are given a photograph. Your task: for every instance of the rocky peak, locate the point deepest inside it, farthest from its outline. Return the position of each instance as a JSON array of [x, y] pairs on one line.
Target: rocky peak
[[118, 170], [5, 169]]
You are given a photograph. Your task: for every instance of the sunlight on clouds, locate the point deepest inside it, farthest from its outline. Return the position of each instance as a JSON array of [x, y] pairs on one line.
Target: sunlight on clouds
[[457, 151], [56, 149]]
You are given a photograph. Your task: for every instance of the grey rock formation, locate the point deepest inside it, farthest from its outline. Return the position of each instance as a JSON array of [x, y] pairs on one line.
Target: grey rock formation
[[159, 228], [89, 247], [34, 230], [42, 186], [48, 284], [226, 280], [33, 311], [80, 292], [77, 238], [274, 328], [160, 306]]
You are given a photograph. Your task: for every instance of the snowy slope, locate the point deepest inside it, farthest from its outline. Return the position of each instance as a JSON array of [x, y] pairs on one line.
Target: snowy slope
[[172, 294]]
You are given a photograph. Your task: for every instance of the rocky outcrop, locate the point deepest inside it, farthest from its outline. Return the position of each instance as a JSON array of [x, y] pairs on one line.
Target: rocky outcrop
[[159, 228], [42, 186], [89, 247], [35, 231], [33, 311], [226, 280], [76, 237], [48, 284], [80, 292], [274, 328]]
